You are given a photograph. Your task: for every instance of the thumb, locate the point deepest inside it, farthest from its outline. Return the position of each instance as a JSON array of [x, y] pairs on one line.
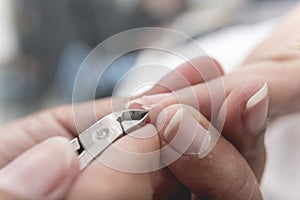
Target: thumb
[[208, 165], [7, 195], [45, 171]]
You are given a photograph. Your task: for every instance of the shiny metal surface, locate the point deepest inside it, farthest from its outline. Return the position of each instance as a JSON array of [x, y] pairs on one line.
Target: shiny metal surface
[[101, 134]]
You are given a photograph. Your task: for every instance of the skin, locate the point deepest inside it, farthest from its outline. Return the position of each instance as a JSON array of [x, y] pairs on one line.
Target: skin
[[99, 180], [271, 62], [246, 153], [275, 59], [249, 144]]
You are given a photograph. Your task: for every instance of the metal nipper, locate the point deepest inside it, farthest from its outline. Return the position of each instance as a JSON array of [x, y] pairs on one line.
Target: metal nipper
[[94, 140]]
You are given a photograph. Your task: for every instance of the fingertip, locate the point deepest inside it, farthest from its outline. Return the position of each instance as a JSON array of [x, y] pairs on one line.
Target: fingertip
[[244, 112], [219, 66], [201, 161], [243, 119], [40, 171]]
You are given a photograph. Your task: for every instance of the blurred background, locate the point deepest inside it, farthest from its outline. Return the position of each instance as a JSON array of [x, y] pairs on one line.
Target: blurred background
[[43, 44]]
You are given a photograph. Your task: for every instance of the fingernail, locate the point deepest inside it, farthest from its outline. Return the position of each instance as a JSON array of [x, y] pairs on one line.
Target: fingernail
[[147, 102], [186, 135], [256, 111], [38, 171]]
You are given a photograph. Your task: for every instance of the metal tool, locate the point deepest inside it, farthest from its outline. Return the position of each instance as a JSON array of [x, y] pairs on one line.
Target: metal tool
[[94, 140]]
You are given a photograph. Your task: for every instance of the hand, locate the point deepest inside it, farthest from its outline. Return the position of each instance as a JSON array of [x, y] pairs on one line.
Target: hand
[[275, 62], [244, 108], [208, 166], [35, 167], [240, 110], [99, 181], [267, 85], [45, 171], [49, 175]]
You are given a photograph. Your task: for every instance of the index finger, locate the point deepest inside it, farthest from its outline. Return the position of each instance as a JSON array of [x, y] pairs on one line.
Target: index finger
[[197, 70]]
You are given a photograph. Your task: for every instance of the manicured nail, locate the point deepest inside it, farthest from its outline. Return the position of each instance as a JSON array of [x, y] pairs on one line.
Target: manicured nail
[[37, 172], [186, 135], [257, 110], [147, 102]]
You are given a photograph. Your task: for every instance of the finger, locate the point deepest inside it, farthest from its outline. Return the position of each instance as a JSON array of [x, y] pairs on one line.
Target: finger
[[284, 92], [166, 186], [244, 114], [60, 121], [239, 125], [198, 70], [207, 164], [196, 83], [46, 171], [7, 195], [123, 171], [206, 97]]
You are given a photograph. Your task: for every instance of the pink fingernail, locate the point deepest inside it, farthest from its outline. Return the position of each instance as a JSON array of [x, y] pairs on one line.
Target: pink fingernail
[[147, 102], [257, 110], [186, 135]]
